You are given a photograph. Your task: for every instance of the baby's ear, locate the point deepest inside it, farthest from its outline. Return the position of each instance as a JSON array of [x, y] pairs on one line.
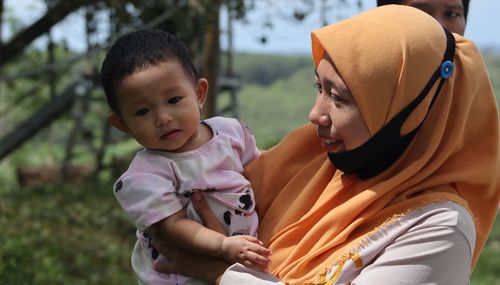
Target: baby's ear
[[201, 91], [116, 121]]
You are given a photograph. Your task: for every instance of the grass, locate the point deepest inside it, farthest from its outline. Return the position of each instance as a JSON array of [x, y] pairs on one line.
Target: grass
[[60, 234]]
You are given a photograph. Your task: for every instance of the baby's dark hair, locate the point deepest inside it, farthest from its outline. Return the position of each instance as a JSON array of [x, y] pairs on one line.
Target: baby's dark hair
[[136, 51], [387, 2]]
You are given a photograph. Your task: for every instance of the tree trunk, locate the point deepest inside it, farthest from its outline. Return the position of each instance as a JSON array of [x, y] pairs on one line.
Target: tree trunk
[[211, 54], [17, 44]]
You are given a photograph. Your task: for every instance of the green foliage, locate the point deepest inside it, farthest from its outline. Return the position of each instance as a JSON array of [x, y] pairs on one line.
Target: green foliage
[[60, 234], [273, 111], [487, 268], [493, 64], [32, 154], [265, 69], [277, 94], [24, 85]]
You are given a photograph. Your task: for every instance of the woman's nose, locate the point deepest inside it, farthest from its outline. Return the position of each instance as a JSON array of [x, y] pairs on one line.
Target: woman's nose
[[319, 115]]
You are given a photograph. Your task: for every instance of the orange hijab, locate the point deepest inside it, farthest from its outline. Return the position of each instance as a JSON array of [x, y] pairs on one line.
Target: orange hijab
[[312, 215]]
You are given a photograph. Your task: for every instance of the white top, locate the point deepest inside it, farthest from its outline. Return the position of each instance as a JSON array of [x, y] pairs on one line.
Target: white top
[[430, 245], [158, 184]]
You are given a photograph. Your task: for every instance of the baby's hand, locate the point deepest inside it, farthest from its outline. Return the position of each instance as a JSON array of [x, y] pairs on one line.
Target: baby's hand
[[246, 250]]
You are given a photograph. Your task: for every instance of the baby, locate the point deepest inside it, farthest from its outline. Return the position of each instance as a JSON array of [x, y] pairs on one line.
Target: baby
[[155, 95]]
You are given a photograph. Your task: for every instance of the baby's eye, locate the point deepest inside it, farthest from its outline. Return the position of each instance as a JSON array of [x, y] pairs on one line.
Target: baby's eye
[[174, 100], [141, 112]]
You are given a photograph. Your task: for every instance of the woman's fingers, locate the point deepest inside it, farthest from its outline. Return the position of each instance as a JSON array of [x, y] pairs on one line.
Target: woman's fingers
[[189, 264], [161, 264], [207, 216], [172, 259]]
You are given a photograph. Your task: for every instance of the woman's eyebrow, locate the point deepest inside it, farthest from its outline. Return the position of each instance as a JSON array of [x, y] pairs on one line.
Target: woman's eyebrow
[[327, 83]]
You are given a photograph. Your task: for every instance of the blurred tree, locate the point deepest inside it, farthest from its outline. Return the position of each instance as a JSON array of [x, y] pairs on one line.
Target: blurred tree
[[55, 13], [195, 22]]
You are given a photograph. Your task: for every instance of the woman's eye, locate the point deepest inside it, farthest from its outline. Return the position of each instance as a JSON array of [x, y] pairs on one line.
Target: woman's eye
[[174, 100], [141, 112], [336, 98], [318, 86]]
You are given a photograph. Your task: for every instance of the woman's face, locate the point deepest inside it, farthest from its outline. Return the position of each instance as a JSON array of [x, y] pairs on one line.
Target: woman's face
[[340, 124]]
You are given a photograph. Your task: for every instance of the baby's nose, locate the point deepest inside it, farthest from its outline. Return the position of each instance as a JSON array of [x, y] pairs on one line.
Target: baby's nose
[[162, 118]]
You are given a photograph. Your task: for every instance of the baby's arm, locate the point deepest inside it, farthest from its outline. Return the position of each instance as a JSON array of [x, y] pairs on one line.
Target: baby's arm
[[192, 236]]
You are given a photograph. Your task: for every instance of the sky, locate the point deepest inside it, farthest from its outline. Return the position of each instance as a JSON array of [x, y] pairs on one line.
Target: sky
[[483, 27], [286, 36]]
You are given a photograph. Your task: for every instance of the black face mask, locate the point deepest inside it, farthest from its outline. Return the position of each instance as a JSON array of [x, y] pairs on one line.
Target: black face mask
[[387, 145]]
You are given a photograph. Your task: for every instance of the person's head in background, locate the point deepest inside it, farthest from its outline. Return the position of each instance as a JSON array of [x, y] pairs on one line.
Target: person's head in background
[[452, 14]]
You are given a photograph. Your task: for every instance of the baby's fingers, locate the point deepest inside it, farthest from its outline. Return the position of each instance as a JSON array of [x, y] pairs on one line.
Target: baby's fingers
[[255, 266], [261, 260], [259, 249], [252, 239], [257, 261]]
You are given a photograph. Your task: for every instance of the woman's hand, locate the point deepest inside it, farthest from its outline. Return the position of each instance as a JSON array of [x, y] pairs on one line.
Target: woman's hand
[[207, 216], [187, 263]]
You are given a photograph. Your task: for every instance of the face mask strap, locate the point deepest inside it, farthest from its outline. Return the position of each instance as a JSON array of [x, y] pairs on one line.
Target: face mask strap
[[444, 72], [387, 145]]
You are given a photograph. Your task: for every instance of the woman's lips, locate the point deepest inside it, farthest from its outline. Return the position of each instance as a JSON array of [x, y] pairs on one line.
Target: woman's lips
[[332, 145]]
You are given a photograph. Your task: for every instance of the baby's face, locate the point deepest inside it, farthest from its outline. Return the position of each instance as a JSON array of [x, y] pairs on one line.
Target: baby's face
[[160, 107]]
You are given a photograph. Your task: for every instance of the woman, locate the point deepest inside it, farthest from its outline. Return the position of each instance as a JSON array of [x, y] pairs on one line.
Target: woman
[[409, 189]]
